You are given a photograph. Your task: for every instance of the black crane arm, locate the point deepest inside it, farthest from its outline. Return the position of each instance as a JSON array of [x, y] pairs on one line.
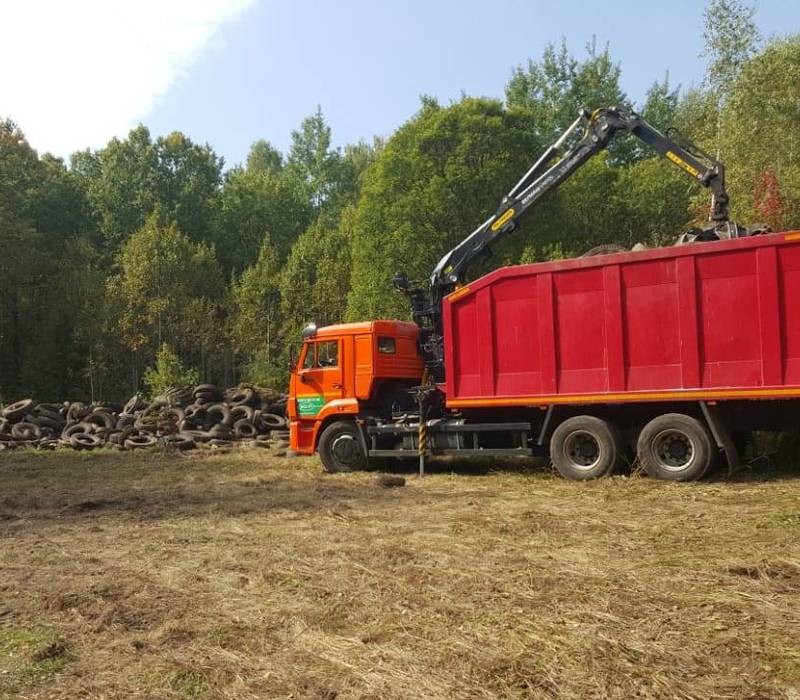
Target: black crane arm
[[599, 128]]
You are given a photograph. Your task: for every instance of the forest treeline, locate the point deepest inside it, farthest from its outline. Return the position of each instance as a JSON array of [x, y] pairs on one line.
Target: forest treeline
[[150, 244]]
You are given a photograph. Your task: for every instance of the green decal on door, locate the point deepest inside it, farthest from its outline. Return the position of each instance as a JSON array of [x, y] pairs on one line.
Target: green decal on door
[[310, 405]]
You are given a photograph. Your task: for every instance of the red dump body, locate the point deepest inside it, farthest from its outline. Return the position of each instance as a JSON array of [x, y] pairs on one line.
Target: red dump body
[[707, 321]]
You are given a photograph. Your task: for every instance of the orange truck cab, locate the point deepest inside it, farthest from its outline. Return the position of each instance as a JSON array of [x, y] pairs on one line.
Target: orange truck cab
[[344, 373]]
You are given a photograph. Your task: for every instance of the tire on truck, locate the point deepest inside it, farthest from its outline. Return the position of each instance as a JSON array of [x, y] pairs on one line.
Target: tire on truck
[[586, 447], [675, 447], [340, 447]]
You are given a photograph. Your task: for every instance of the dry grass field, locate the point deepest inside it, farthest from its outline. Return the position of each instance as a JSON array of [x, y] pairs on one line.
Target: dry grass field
[[244, 575]]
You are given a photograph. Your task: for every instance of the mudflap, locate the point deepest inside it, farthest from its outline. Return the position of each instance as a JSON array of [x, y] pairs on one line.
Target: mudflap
[[722, 437]]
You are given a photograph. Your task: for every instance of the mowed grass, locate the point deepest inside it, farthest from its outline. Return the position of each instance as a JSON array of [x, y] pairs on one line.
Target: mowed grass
[[245, 575]]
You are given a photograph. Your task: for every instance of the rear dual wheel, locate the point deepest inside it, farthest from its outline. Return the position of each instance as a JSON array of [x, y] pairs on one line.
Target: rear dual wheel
[[675, 447], [586, 447]]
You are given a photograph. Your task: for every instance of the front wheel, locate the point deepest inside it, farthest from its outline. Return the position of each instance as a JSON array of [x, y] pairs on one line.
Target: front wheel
[[340, 448]]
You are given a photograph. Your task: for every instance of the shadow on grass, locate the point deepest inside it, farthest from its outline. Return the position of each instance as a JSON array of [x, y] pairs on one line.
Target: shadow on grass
[[157, 485], [465, 466]]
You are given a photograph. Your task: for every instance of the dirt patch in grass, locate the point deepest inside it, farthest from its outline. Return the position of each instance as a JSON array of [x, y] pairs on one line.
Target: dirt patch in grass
[[247, 576]]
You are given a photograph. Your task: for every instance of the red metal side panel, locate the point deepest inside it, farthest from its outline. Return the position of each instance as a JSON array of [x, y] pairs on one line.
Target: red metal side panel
[[709, 320], [517, 349], [789, 285], [652, 346], [465, 376], [730, 349]]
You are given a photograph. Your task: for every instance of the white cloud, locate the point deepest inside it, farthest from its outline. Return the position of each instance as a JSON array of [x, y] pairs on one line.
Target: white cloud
[[75, 73]]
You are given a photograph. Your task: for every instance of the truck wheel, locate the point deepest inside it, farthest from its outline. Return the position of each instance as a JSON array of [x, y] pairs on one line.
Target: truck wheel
[[585, 447], [340, 448], [675, 447]]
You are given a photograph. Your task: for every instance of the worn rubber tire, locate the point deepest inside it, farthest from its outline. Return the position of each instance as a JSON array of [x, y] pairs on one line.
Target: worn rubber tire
[[46, 422], [77, 411], [25, 431], [340, 448], [594, 432], [180, 442], [43, 411], [101, 418], [273, 421], [242, 412], [125, 421], [244, 396], [137, 442], [17, 410], [653, 453], [244, 429], [197, 435], [219, 413], [85, 441], [605, 249], [221, 432], [135, 403]]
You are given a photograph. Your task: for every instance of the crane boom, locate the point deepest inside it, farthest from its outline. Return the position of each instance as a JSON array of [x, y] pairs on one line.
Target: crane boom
[[589, 134], [599, 128]]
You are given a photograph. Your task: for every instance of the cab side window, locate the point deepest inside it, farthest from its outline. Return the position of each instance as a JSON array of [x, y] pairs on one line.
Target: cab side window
[[328, 353], [322, 355], [386, 345], [310, 360]]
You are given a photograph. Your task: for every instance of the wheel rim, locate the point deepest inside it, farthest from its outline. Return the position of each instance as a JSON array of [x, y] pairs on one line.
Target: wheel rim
[[583, 450], [673, 450], [345, 450]]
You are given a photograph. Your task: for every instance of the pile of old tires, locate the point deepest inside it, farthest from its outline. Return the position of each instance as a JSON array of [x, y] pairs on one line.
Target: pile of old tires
[[182, 418]]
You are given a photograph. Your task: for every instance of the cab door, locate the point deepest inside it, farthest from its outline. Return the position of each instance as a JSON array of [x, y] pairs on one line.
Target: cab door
[[319, 377]]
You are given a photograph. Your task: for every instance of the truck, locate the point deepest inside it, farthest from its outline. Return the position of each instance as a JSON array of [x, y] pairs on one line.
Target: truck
[[660, 356]]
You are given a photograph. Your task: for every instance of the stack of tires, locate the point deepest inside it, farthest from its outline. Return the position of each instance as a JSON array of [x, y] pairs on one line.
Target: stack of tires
[[183, 418]]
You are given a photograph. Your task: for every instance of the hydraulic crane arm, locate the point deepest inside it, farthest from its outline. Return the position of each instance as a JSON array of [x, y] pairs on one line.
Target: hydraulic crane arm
[[590, 133], [599, 128]]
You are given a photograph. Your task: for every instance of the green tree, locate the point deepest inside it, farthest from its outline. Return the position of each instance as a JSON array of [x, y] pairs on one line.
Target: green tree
[[761, 143], [42, 207], [661, 104], [188, 179], [128, 179], [731, 39], [264, 158], [557, 86], [653, 199], [438, 177], [256, 206], [329, 177], [316, 280], [168, 372], [168, 290], [255, 318]]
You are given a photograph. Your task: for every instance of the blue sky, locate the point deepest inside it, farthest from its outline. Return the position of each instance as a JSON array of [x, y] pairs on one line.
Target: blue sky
[[254, 68]]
